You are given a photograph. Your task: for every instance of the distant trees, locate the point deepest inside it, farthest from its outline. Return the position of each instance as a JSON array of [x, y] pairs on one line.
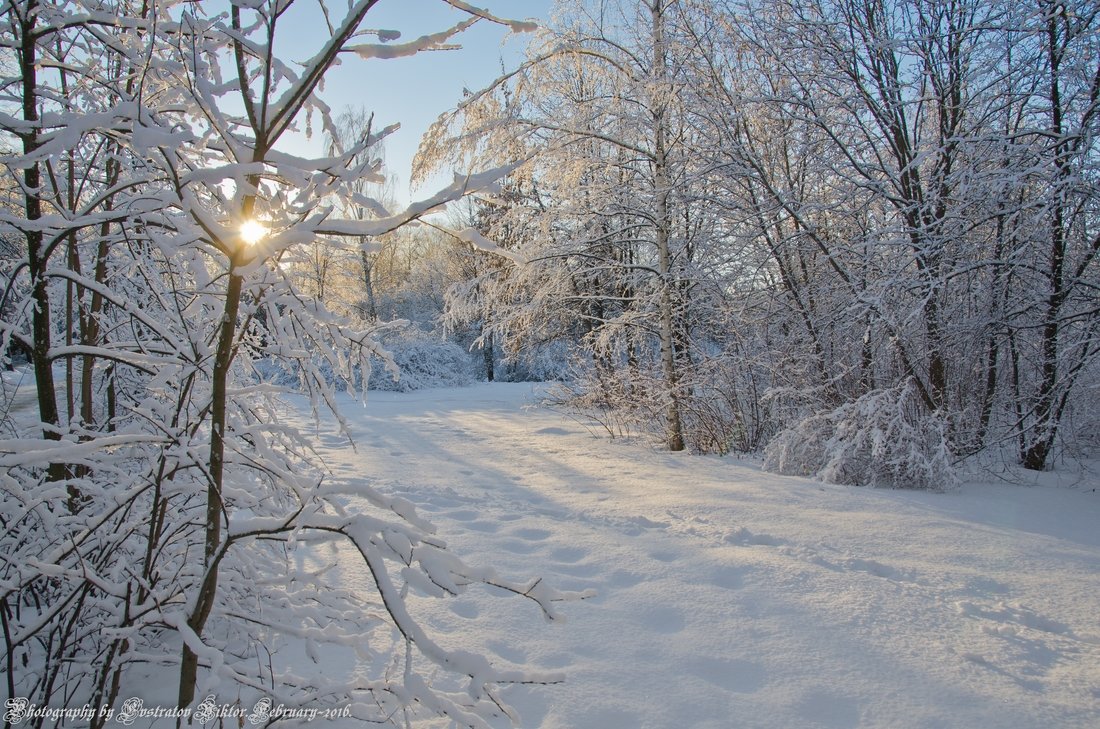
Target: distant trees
[[770, 210]]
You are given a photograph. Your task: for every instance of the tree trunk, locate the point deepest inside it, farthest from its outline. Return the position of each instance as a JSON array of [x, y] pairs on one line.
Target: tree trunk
[[223, 359], [674, 430], [37, 255], [1047, 413], [368, 285], [487, 356]]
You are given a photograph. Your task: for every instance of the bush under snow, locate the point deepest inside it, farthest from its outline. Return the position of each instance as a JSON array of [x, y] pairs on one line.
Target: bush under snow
[[413, 360], [423, 361], [884, 439]]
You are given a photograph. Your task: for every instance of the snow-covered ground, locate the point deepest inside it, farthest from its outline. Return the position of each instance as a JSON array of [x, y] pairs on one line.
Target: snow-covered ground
[[17, 394], [732, 598]]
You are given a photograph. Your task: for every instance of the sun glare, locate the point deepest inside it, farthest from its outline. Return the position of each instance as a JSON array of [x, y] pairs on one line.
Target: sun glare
[[252, 232]]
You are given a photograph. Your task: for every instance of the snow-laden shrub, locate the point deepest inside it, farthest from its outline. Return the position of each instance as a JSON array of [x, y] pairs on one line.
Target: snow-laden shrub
[[885, 439], [546, 363], [720, 407], [599, 397], [422, 361], [415, 360], [800, 450]]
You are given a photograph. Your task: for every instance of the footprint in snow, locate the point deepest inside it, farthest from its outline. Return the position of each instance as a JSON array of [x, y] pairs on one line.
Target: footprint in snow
[[507, 651], [824, 707], [742, 536], [986, 584], [554, 660], [734, 675], [622, 579], [578, 570], [485, 527], [867, 566], [1010, 615], [665, 620], [613, 718], [634, 525], [465, 609], [461, 515], [568, 554], [531, 535], [516, 546], [877, 569], [728, 577]]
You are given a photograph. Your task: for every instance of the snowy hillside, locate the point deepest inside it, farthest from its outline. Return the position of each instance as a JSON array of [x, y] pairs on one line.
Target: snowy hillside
[[729, 597]]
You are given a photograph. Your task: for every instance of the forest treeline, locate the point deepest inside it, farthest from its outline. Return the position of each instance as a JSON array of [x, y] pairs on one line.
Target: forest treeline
[[860, 233]]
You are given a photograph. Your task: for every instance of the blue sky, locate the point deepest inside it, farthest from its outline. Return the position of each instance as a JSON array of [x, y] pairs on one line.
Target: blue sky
[[414, 91]]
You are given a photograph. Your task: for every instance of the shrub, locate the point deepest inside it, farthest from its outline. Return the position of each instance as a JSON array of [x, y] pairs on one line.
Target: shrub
[[423, 361], [885, 439]]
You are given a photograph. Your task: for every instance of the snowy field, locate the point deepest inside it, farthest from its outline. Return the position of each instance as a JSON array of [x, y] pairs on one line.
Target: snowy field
[[729, 598]]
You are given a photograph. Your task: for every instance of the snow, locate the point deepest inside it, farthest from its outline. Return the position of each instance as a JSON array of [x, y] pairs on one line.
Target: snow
[[731, 597], [431, 42]]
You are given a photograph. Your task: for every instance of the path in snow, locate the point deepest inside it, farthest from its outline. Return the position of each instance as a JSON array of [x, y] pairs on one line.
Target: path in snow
[[731, 598], [17, 393]]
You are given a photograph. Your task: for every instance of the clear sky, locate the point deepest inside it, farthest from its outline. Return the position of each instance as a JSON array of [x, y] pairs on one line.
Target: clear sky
[[413, 91]]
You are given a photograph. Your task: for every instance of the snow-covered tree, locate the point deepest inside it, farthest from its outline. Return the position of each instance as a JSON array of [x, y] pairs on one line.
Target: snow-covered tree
[[162, 517], [616, 199], [752, 212], [929, 177]]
